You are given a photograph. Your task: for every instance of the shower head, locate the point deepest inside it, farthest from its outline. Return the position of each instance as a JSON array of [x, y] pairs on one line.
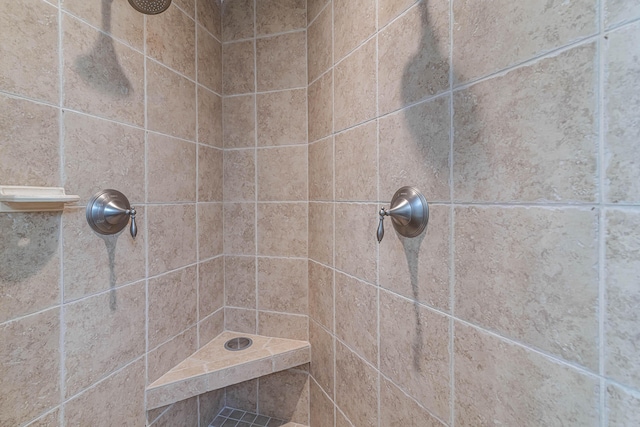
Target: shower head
[[150, 7]]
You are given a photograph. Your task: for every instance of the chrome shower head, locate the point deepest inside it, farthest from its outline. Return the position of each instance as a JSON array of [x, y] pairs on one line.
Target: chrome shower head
[[150, 7]]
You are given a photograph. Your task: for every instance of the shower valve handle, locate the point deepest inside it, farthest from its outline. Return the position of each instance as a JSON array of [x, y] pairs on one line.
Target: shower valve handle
[[380, 232]]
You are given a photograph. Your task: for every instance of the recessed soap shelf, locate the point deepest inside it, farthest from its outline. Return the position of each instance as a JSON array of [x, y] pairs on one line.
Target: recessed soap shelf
[[15, 198]]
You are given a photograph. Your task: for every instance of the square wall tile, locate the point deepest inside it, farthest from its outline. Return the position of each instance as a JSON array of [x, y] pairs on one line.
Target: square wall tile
[[320, 45], [171, 169], [356, 163], [237, 19], [285, 395], [282, 229], [209, 61], [355, 242], [176, 48], [210, 327], [320, 407], [618, 11], [623, 406], [400, 409], [282, 173], [388, 10], [239, 228], [243, 396], [356, 387], [283, 285], [210, 17], [239, 121], [322, 356], [172, 352], [187, 6], [278, 16], [240, 320], [240, 281], [210, 174], [282, 117], [320, 109], [354, 22], [238, 67], [183, 412], [321, 170], [172, 237], [210, 286], [209, 118], [280, 325], [321, 294], [321, 232], [239, 175], [314, 7], [280, 61], [210, 229]]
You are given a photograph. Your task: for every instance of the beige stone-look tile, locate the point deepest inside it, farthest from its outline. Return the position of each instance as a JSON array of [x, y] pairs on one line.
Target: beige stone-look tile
[[414, 149], [623, 407], [282, 173], [238, 74], [321, 232], [354, 22], [622, 263], [622, 100], [314, 7], [123, 390], [529, 135], [320, 407], [239, 121], [321, 294], [172, 237], [356, 163], [322, 356], [172, 304], [240, 281], [240, 320], [209, 118], [52, 419], [355, 241], [237, 19], [618, 11], [29, 244], [320, 45], [341, 420], [283, 285], [418, 268], [210, 16], [239, 175], [101, 76], [29, 50], [93, 262], [416, 357], [210, 174], [171, 102], [243, 396], [280, 15], [282, 117], [285, 395], [187, 6], [320, 110], [210, 229], [30, 359], [239, 228], [86, 136], [171, 169], [414, 56], [356, 387], [29, 143], [175, 48], [485, 41], [102, 334], [184, 412], [282, 229], [279, 325], [210, 286], [519, 269], [211, 327], [388, 10], [209, 61], [280, 61], [355, 87], [498, 383], [321, 170], [210, 404], [399, 409], [172, 352]]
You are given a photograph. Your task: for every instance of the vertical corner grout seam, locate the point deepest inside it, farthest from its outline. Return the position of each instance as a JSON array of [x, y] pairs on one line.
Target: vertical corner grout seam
[[452, 277]]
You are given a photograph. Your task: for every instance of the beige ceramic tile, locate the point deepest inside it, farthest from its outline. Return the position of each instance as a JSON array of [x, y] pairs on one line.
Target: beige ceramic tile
[[322, 356], [185, 411], [209, 61], [237, 19], [282, 229], [321, 232], [622, 99], [172, 304], [355, 87], [283, 285], [291, 326], [414, 150], [239, 228], [519, 137], [30, 358], [320, 407], [391, 9], [210, 403], [169, 354], [490, 372], [418, 268], [239, 175], [485, 41], [171, 169], [210, 231], [52, 419], [623, 406], [280, 61], [321, 170], [355, 246], [172, 237], [171, 102], [282, 173], [354, 22], [123, 390], [320, 45], [240, 320], [209, 118], [243, 396], [29, 243], [99, 338], [187, 6], [239, 121], [285, 395], [210, 286], [29, 50], [622, 263], [176, 48], [320, 110], [93, 262], [238, 65], [341, 420], [280, 15], [356, 387], [282, 118], [321, 294], [416, 42], [314, 7], [210, 174], [101, 76], [240, 281], [211, 327], [400, 409], [617, 11], [210, 16], [416, 357], [356, 163], [517, 271], [29, 143]]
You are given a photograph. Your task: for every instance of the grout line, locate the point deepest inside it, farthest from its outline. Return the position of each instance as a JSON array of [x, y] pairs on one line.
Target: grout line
[[452, 277], [264, 92], [377, 279], [257, 36], [255, 178]]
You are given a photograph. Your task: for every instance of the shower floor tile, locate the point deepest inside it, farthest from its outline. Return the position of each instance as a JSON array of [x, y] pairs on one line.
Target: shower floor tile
[[229, 417]]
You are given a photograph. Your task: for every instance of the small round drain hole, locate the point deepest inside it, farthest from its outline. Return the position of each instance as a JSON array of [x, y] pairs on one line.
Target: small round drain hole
[[237, 344]]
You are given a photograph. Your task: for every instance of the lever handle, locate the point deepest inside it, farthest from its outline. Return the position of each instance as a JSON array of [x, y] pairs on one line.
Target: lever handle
[[134, 228], [380, 233]]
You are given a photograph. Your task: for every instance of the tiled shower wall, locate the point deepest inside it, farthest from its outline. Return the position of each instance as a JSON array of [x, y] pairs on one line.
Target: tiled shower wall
[[518, 122], [95, 95]]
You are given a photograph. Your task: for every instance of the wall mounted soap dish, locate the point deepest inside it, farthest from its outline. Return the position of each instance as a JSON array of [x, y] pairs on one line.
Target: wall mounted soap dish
[[15, 198]]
